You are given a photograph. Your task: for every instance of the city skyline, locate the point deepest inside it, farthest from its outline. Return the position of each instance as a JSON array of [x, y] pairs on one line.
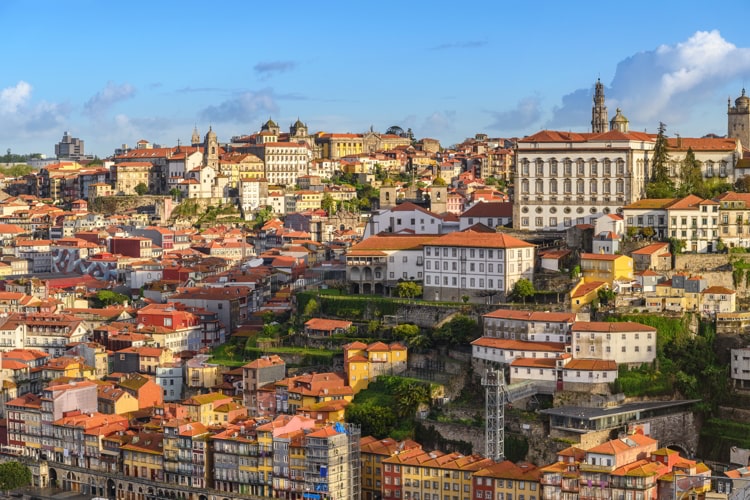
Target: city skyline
[[157, 70]]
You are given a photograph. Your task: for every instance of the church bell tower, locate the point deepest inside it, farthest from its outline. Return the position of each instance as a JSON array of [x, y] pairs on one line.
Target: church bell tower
[[599, 118]]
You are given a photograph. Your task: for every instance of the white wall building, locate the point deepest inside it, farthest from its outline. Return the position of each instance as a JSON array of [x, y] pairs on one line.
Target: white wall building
[[481, 266], [406, 216], [529, 325], [740, 367], [623, 342]]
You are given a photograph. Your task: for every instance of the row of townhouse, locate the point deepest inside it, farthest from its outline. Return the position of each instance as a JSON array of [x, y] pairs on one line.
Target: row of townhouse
[[701, 223], [289, 456]]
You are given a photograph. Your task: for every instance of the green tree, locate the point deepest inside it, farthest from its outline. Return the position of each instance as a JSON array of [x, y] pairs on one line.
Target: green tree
[[408, 290], [691, 178], [108, 298], [311, 308], [677, 246], [405, 331], [375, 420], [460, 330], [660, 185], [606, 296], [648, 232], [328, 204], [141, 189], [175, 193], [743, 184], [14, 475], [523, 288], [264, 215], [409, 396]]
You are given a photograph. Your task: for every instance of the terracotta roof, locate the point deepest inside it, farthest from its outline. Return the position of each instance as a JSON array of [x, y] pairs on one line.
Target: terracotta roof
[[519, 345], [475, 239], [547, 317], [610, 327], [394, 242], [326, 324], [600, 256], [587, 288], [651, 249], [719, 290], [591, 365], [534, 362], [490, 209], [650, 203]]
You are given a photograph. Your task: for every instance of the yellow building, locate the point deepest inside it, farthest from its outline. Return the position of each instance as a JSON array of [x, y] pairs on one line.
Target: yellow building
[[335, 146], [68, 367], [237, 166], [113, 400], [308, 390], [127, 175], [208, 408], [142, 456], [415, 474], [308, 200], [507, 480], [606, 267], [584, 293], [363, 363], [372, 453]]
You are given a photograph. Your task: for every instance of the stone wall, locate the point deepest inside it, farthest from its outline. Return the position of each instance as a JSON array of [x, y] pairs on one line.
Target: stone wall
[[458, 432]]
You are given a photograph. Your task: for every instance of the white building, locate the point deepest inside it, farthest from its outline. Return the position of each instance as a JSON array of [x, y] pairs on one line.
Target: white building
[[253, 195], [377, 263], [568, 178], [483, 266], [491, 214], [404, 217], [740, 367], [505, 351], [622, 342], [284, 161], [529, 325]]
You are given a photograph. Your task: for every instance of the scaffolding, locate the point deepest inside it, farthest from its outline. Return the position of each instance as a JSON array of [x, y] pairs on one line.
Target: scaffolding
[[494, 397]]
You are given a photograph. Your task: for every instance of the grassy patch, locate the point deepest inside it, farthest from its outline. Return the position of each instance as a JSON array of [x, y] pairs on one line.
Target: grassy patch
[[718, 436]]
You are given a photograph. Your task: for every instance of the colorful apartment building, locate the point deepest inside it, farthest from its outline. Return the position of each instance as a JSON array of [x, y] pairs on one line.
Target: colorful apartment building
[[372, 453]]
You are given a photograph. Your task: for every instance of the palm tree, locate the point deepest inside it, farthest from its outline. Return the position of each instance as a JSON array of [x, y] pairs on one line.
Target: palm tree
[[409, 396]]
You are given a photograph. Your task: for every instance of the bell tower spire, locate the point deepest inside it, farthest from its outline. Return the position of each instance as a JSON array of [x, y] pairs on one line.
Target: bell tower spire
[[599, 117]]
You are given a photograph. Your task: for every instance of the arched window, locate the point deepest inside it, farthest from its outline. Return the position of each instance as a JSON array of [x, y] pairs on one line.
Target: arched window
[[607, 167], [539, 188], [607, 188], [620, 186], [566, 185], [553, 186], [525, 186], [553, 168], [580, 186], [593, 186], [594, 167]]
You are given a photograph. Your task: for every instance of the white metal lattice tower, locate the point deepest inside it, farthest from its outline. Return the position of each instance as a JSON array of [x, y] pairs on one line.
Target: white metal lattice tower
[[494, 430]]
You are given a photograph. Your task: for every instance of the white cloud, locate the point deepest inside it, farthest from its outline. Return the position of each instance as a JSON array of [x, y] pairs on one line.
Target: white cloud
[[438, 124], [101, 102], [526, 113], [245, 107], [12, 98], [665, 84]]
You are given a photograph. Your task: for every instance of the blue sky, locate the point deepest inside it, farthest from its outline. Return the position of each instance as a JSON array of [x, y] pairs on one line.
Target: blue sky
[[116, 72]]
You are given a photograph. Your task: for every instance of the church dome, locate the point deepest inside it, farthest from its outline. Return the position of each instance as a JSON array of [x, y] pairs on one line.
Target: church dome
[[298, 123], [619, 117], [270, 124], [743, 100]]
